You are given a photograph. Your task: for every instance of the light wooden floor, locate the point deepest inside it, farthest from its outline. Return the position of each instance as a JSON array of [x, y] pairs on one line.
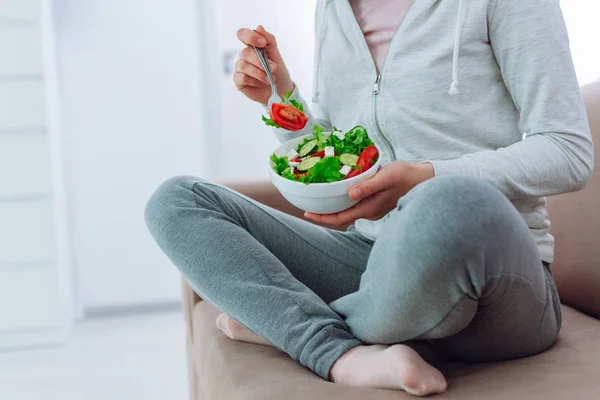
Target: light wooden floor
[[125, 358]]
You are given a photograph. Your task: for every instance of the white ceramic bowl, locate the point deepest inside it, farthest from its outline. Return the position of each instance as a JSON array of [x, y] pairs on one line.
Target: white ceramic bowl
[[319, 198]]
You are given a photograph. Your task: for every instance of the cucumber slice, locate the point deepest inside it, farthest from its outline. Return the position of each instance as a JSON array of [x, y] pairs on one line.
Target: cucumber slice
[[349, 159], [307, 148], [307, 164]]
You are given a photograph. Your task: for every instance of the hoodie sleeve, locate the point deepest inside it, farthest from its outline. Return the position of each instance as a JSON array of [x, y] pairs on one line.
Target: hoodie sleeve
[[531, 45], [323, 120]]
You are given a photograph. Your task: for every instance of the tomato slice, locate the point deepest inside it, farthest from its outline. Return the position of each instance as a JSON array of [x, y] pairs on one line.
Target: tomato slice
[[319, 154], [367, 158], [288, 117], [353, 173]]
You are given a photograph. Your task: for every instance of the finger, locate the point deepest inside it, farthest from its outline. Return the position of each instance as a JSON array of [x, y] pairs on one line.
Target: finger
[[368, 187], [269, 37], [273, 67], [243, 81], [249, 55], [342, 218], [314, 217], [271, 47], [338, 219], [251, 38], [251, 70]]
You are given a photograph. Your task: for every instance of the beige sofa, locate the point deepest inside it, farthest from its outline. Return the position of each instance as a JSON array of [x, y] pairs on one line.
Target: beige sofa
[[221, 369]]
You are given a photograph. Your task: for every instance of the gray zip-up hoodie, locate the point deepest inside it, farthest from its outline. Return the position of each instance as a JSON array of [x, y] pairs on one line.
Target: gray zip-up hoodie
[[484, 88]]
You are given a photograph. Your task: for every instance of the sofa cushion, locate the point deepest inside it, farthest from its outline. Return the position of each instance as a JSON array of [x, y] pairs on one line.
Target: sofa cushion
[[227, 370], [576, 226]]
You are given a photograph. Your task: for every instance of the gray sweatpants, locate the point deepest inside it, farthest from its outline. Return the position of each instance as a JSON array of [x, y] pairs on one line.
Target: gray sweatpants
[[455, 264]]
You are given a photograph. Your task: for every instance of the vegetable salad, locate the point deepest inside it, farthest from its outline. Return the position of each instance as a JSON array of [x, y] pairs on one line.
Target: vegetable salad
[[324, 158]]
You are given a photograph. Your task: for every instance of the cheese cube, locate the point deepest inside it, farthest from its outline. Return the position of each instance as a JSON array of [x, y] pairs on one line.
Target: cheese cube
[[340, 135], [329, 151], [345, 170], [292, 154], [293, 163]]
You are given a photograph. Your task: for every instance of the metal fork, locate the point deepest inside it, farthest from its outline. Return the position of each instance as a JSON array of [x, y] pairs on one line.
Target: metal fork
[[264, 60]]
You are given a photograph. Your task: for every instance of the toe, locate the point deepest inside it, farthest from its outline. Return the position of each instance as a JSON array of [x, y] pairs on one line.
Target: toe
[[223, 323], [236, 330], [412, 381], [441, 384]]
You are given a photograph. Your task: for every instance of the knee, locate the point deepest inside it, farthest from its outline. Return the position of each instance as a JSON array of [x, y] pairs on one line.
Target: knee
[[459, 223], [457, 191], [164, 203], [463, 208]]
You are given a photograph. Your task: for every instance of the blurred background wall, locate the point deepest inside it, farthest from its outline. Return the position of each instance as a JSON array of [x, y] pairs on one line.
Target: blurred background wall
[[129, 74]]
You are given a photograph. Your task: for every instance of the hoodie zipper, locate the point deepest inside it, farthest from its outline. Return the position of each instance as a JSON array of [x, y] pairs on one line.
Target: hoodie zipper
[[379, 130], [377, 82]]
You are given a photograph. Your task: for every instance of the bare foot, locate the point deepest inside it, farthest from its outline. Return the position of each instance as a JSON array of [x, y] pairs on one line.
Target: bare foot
[[388, 367], [235, 331]]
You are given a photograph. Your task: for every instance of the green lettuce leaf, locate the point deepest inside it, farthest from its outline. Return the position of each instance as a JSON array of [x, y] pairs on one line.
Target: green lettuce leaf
[[355, 141], [297, 104], [320, 136], [270, 122], [287, 99], [280, 164], [326, 170]]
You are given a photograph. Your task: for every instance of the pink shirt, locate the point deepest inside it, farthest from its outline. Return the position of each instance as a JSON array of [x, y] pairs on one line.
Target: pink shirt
[[379, 20]]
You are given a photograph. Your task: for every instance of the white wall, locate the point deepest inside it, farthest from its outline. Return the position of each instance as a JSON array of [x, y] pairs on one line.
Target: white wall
[[581, 17], [129, 71], [35, 276]]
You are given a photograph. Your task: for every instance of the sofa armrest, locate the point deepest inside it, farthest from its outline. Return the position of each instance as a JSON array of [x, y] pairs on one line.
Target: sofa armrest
[[190, 299], [576, 226]]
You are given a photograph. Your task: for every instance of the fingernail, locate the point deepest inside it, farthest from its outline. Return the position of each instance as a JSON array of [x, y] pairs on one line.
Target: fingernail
[[379, 168], [355, 193], [262, 42]]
